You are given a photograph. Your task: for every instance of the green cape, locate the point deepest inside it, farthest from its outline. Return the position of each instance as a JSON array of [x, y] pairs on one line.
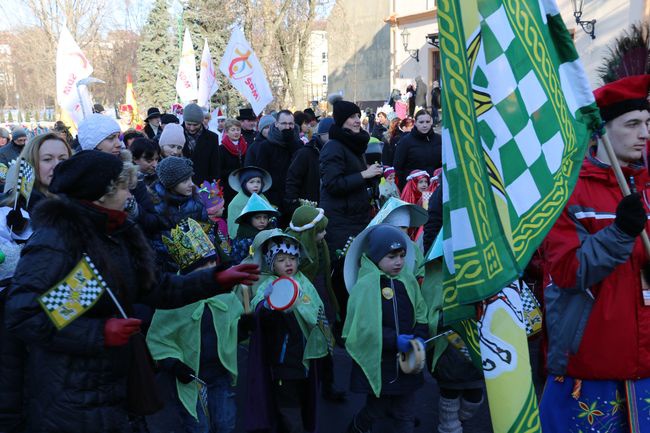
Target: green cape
[[176, 334], [234, 209], [309, 312], [362, 330]]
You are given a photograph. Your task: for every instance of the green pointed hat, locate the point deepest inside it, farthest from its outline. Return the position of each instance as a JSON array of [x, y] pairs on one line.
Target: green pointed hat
[[400, 213], [256, 204]]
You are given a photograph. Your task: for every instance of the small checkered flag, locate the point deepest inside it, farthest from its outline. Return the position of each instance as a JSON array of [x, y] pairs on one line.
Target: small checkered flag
[[25, 182], [74, 295]]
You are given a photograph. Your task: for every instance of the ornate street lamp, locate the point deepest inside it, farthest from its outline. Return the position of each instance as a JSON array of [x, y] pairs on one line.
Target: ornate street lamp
[[589, 27], [415, 54]]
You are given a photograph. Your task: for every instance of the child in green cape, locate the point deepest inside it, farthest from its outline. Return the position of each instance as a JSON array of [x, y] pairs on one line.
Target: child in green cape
[[308, 225], [255, 217], [385, 312], [284, 343], [246, 181], [183, 340]]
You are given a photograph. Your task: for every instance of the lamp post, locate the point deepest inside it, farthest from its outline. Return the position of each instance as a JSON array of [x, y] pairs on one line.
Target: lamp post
[[588, 27], [415, 54]]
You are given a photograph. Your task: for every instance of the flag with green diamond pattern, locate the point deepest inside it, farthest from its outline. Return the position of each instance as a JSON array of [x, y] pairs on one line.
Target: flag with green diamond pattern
[[517, 112], [517, 115]]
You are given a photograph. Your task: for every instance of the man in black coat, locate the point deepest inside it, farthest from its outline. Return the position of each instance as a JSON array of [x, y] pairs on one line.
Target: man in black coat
[[275, 156], [152, 127], [248, 121], [380, 128], [201, 145]]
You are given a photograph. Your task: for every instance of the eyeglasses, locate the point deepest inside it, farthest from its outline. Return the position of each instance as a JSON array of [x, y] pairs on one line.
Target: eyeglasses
[[291, 124]]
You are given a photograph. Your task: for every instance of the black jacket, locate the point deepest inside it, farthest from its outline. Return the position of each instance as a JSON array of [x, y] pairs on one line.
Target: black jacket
[[303, 177], [205, 157], [227, 164], [434, 222], [378, 131], [253, 149], [388, 151], [249, 135], [284, 344], [75, 383], [13, 357], [344, 193], [275, 155], [393, 380], [417, 151]]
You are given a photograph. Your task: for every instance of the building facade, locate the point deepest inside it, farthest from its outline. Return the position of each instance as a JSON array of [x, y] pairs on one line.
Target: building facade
[[316, 64]]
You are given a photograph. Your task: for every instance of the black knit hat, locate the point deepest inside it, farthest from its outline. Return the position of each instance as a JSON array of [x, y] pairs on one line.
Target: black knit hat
[[247, 175], [86, 175], [168, 118], [173, 170], [384, 239], [342, 109]]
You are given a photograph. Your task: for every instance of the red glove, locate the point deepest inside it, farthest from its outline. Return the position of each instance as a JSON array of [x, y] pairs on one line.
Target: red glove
[[245, 273], [118, 331]]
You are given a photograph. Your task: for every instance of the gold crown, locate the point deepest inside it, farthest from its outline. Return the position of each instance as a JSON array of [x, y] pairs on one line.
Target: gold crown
[[188, 243]]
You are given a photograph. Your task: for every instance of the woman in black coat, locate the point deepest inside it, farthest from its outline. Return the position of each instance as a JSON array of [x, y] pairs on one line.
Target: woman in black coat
[[346, 182], [77, 375], [420, 149]]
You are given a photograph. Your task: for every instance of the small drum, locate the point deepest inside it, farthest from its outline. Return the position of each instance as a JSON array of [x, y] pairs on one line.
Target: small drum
[[413, 362], [284, 295]]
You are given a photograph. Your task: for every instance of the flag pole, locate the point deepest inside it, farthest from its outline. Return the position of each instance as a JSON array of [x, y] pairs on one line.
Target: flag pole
[[116, 302], [622, 183]]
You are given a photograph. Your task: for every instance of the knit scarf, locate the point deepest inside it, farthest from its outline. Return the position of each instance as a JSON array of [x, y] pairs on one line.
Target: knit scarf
[[114, 218], [357, 143], [362, 331], [176, 334], [238, 149], [308, 311]]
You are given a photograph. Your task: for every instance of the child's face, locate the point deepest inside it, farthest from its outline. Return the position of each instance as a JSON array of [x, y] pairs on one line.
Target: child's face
[[254, 185], [185, 188], [147, 165], [285, 265], [391, 178], [423, 184], [320, 236], [260, 221], [393, 262], [215, 212]]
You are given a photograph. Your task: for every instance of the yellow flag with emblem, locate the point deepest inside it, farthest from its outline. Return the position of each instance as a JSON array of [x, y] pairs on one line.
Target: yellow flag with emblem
[[74, 295]]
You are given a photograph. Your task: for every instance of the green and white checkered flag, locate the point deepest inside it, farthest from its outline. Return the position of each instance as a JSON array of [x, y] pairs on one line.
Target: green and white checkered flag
[[517, 117]]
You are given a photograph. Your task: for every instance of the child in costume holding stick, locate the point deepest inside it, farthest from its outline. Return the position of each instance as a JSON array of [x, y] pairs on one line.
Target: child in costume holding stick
[[386, 314], [198, 343], [282, 381]]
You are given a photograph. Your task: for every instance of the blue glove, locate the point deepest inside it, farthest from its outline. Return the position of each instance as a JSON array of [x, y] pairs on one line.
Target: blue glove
[[267, 292], [404, 343]]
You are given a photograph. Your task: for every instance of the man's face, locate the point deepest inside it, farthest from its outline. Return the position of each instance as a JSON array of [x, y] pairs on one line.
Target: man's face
[[628, 134], [20, 141], [248, 125], [285, 121], [192, 128], [220, 124], [382, 119]]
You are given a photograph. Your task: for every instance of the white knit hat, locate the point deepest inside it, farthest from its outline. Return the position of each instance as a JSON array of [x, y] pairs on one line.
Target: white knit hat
[[172, 134], [96, 128]]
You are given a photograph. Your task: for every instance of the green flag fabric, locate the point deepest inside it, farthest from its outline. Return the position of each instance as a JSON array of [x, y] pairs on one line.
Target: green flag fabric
[[517, 115]]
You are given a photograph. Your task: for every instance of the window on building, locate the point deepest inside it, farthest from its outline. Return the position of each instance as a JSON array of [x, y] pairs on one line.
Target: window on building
[[324, 79], [324, 57]]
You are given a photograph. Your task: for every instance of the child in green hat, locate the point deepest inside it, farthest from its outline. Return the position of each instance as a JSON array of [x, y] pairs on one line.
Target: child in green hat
[[255, 217]]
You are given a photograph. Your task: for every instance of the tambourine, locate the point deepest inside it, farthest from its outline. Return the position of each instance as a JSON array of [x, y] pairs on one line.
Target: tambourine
[[413, 362], [284, 294]]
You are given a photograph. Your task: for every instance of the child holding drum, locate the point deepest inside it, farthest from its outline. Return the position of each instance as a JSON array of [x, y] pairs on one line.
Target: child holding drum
[[289, 334], [386, 320]]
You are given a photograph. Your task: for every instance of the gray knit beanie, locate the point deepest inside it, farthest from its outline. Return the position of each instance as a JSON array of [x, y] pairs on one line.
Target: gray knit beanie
[[173, 170], [383, 239], [193, 113]]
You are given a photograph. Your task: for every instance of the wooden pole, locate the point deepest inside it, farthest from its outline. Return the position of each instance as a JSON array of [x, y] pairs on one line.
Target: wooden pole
[[247, 298]]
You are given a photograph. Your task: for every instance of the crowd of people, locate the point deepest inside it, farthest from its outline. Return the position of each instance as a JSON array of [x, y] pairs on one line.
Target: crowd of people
[[290, 234]]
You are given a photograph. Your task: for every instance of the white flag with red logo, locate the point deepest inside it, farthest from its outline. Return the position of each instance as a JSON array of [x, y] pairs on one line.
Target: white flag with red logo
[[243, 69], [186, 78], [208, 84], [72, 66]]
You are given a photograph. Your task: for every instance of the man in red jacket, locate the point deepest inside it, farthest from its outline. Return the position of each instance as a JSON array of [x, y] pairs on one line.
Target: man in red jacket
[[598, 327]]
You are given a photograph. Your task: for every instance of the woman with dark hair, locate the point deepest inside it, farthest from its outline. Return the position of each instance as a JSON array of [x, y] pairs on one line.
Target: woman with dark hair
[[419, 149], [398, 128], [77, 374]]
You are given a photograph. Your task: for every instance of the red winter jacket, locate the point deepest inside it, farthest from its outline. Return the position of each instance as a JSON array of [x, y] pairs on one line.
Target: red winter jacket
[[597, 325]]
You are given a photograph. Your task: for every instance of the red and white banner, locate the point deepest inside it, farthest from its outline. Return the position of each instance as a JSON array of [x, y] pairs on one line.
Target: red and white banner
[[72, 66], [208, 84], [243, 69], [186, 78]]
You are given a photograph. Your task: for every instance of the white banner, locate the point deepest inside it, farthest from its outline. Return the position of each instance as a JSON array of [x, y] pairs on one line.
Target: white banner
[[72, 66], [208, 84], [240, 65], [186, 78]]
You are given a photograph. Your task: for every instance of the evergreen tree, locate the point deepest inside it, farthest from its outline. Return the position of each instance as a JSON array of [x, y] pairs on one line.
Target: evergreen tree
[[2, 117], [157, 60], [37, 116], [10, 118]]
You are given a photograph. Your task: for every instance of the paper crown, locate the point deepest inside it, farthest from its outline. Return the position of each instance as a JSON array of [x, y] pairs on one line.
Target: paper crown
[[416, 174], [211, 194], [188, 245], [256, 204], [275, 246]]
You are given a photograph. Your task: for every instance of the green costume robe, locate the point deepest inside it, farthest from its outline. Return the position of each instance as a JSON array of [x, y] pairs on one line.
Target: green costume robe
[[234, 209]]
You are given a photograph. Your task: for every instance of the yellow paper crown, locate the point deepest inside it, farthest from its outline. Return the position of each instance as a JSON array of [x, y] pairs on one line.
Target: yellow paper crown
[[188, 243]]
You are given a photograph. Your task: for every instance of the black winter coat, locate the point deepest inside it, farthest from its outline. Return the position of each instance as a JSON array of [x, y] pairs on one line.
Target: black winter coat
[[13, 357], [393, 380], [75, 383], [417, 151], [253, 149], [227, 164], [205, 157], [344, 192], [303, 177], [388, 151], [249, 135], [434, 222]]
